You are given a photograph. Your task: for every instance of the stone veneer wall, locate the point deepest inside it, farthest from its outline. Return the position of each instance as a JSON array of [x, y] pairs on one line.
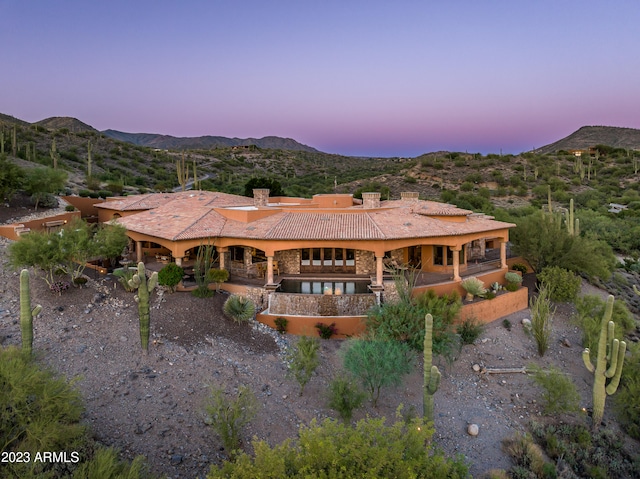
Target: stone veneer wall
[[365, 262], [320, 304], [288, 261]]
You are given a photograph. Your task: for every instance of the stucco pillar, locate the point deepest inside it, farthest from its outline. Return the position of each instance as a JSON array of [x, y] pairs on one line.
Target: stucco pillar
[[138, 251], [178, 260], [456, 262], [269, 269], [379, 270], [503, 254]]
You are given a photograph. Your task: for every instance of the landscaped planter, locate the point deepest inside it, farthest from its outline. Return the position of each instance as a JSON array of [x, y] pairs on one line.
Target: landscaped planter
[[488, 310]]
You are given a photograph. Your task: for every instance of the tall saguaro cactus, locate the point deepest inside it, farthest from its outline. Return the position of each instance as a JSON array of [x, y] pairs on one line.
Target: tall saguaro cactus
[[609, 364], [26, 313], [182, 170], [89, 149], [144, 287], [432, 374]]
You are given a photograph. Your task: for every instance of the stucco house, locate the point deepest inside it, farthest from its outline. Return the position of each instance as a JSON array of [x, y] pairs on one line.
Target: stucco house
[[329, 245]]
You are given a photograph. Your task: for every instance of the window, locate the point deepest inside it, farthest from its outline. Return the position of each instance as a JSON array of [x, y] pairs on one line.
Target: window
[[237, 253], [439, 252]]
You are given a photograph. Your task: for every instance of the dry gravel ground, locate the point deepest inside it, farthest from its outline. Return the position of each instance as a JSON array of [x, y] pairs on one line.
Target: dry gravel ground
[[153, 404]]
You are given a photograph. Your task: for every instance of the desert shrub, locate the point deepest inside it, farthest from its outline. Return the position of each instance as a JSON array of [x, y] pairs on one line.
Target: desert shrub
[[105, 464], [170, 276], [345, 396], [218, 276], [69, 208], [627, 399], [563, 285], [473, 286], [470, 330], [511, 287], [520, 267], [229, 415], [541, 315], [331, 448], [377, 363], [303, 360], [512, 278], [589, 312], [124, 275], [281, 324], [404, 321], [586, 454], [527, 455], [40, 412], [239, 308], [506, 324], [559, 393], [325, 331]]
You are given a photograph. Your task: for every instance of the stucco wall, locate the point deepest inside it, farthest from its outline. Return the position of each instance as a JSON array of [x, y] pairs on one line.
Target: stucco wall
[[305, 325], [489, 310], [9, 231]]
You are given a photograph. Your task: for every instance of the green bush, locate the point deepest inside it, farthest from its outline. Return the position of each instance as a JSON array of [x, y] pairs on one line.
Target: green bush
[[404, 321], [512, 278], [303, 360], [345, 396], [69, 208], [469, 330], [281, 324], [559, 393], [627, 399], [40, 412], [170, 276], [377, 363], [563, 285], [218, 276], [106, 465], [333, 449], [520, 267], [239, 308], [228, 416]]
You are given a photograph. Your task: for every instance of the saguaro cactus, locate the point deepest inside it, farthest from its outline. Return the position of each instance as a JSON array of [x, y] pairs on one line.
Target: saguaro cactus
[[431, 373], [609, 364], [144, 287], [26, 313], [89, 148], [182, 170]]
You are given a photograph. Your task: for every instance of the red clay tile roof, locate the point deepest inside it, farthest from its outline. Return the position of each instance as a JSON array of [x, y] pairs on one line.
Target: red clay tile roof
[[192, 217]]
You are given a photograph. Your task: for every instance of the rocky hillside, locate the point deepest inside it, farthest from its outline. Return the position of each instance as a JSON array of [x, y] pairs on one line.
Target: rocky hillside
[[590, 136]]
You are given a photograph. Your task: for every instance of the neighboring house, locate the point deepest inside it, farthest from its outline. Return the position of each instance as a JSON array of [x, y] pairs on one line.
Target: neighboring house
[[330, 236]]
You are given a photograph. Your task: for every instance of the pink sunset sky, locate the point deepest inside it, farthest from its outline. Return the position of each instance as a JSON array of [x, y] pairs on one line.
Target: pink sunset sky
[[365, 78]]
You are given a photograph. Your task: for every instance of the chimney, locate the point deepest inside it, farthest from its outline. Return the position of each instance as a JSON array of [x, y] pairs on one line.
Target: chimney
[[371, 200], [409, 195], [261, 196]]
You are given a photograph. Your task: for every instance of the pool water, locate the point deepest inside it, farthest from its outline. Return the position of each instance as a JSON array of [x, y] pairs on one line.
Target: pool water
[[313, 286]]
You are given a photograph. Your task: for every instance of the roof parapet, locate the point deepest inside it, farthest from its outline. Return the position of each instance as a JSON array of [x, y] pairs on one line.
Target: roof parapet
[[409, 195]]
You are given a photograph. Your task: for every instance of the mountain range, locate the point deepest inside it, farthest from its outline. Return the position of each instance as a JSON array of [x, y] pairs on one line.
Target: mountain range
[[583, 138]]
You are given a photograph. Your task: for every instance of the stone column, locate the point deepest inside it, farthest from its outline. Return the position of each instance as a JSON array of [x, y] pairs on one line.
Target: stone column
[[456, 262], [178, 260], [222, 254]]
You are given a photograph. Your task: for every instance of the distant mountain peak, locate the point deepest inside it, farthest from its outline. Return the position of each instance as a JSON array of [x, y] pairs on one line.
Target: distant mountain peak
[[589, 136], [59, 122]]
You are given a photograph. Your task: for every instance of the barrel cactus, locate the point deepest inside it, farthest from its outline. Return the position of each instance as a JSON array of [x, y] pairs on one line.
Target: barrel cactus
[[144, 287], [609, 364], [26, 313]]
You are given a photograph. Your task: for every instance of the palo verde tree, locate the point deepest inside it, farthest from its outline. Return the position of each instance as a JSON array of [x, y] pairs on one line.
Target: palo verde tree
[[11, 178], [40, 182]]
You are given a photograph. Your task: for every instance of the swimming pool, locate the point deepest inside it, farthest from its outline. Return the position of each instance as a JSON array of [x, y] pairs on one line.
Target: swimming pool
[[324, 286]]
